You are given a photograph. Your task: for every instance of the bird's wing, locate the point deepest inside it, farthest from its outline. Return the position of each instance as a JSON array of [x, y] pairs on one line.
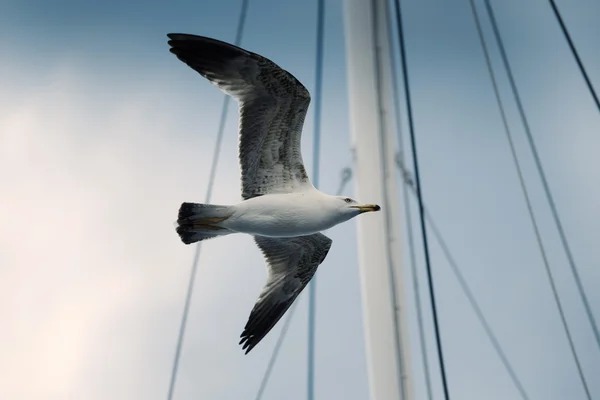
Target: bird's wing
[[291, 263], [272, 104]]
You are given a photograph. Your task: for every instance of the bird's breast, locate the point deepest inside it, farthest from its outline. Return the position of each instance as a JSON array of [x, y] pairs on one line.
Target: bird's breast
[[281, 216]]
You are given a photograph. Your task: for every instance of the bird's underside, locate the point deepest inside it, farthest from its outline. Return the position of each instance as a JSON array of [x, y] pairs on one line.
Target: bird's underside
[[272, 105]]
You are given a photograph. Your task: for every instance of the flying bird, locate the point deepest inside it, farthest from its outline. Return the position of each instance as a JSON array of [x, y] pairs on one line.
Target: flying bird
[[281, 208]]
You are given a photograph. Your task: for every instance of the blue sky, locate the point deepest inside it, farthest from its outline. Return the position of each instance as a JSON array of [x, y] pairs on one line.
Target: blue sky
[[103, 133]]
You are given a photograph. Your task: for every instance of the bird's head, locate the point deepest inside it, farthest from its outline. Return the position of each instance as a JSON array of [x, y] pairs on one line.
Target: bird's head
[[350, 208]]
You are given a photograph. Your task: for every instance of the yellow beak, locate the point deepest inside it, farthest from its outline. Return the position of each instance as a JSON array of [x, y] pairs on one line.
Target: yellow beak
[[367, 207]]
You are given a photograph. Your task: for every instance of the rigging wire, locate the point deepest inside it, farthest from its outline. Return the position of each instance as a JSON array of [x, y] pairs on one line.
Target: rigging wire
[[552, 206], [211, 182], [465, 287], [529, 205], [346, 175], [540, 169], [420, 199], [416, 285], [518, 168], [409, 225], [316, 153], [563, 27]]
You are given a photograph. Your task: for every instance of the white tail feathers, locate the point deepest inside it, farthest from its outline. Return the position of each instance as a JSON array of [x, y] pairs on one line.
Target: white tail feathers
[[197, 222]]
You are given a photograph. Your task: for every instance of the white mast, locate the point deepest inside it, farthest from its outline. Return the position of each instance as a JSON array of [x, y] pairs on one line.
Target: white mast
[[379, 241]]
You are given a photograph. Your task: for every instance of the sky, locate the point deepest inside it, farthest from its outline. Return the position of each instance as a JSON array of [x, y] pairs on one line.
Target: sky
[[104, 133]]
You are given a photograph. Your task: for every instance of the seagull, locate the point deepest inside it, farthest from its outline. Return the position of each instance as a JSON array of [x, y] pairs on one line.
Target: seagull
[[281, 208]]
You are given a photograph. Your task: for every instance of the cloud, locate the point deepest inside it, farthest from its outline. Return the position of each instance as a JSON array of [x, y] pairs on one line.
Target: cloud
[[93, 274]]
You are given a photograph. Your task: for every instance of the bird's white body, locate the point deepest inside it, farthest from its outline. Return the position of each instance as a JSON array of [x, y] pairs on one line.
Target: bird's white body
[[288, 214]]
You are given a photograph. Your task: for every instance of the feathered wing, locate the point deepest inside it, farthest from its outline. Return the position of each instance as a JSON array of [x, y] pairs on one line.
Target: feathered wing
[[273, 105], [291, 264]]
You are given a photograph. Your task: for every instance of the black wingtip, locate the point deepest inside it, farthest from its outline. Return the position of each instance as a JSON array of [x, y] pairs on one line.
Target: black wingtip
[[246, 342], [184, 39], [205, 43], [181, 36], [247, 347]]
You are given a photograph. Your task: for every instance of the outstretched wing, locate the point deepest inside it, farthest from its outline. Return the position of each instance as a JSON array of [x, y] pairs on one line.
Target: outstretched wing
[[291, 264], [273, 105]]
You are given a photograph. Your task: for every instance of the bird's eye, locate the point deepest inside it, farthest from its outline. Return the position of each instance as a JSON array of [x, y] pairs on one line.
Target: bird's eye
[[348, 200]]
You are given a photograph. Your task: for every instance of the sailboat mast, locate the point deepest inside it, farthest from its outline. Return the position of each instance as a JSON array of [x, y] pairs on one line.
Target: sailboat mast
[[379, 238]]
